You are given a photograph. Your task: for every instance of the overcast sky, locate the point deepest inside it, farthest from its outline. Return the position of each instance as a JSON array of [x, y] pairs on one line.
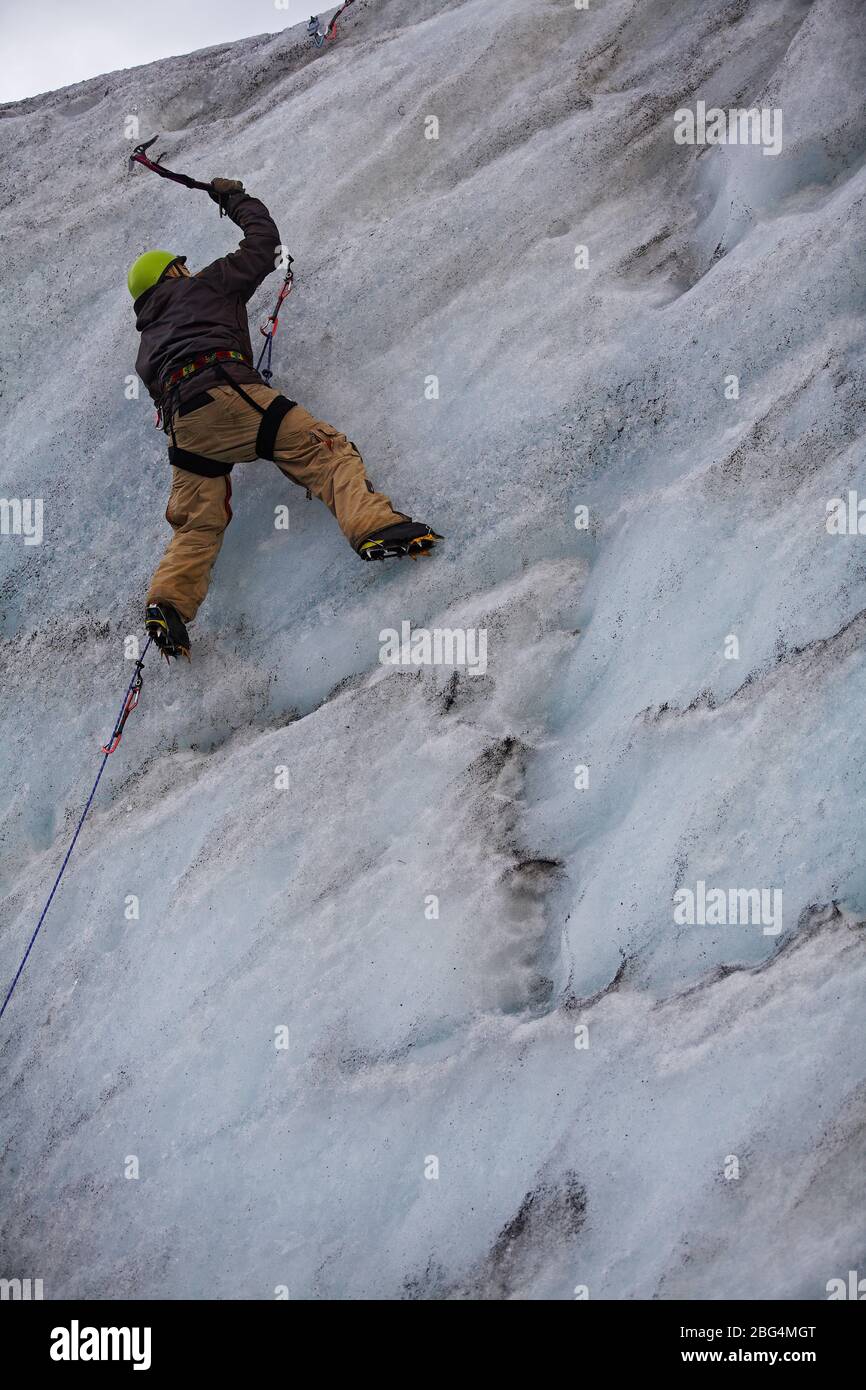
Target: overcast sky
[[52, 43]]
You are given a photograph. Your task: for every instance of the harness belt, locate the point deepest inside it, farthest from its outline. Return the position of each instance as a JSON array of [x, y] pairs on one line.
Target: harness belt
[[207, 359], [266, 438], [272, 416], [197, 463]]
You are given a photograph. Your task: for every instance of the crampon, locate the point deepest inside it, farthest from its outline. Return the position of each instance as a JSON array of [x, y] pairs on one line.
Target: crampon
[[410, 538]]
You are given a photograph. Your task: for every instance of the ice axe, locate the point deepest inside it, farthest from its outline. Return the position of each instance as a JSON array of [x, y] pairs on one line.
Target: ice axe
[[140, 156]]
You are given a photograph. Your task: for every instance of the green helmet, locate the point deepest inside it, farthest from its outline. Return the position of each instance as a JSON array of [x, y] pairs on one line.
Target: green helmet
[[149, 269]]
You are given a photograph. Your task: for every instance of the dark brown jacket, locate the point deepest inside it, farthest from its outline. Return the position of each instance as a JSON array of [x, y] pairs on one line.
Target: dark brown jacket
[[179, 319]]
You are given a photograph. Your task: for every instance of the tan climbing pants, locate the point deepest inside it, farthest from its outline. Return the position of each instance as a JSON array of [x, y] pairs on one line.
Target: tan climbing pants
[[307, 451]]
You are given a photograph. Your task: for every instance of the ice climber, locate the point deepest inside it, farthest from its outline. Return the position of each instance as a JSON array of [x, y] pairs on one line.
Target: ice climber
[[196, 361]]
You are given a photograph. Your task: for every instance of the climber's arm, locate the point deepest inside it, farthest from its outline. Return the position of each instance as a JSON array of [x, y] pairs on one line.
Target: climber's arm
[[243, 271]]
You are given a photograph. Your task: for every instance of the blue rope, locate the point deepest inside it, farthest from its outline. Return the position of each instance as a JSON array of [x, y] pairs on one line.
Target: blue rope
[[117, 728]]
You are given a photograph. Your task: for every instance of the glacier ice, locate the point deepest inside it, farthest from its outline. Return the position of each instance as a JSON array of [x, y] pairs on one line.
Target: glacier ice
[[580, 1068]]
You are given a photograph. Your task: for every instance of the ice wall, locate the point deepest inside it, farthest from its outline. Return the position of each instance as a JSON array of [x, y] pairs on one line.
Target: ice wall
[[587, 1072]]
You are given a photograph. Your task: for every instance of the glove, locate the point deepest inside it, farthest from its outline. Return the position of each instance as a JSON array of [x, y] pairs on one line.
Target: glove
[[220, 188]]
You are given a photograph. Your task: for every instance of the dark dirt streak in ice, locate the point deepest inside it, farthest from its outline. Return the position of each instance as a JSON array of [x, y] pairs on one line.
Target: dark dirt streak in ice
[[546, 1224], [813, 920], [811, 662]]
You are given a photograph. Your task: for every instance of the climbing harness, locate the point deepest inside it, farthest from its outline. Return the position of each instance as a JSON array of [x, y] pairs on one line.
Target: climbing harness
[[130, 700], [272, 417], [330, 33], [168, 388], [206, 359]]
